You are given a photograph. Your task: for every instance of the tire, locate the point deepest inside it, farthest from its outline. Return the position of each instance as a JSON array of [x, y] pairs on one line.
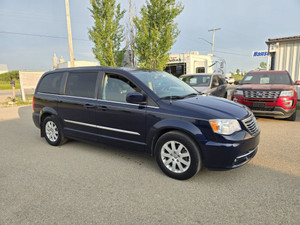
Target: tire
[[292, 117], [53, 131], [178, 155]]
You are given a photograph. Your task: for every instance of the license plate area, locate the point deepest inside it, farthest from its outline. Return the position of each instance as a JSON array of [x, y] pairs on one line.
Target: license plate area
[[259, 104]]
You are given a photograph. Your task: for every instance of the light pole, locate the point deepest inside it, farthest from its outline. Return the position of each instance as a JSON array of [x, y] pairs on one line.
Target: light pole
[[213, 41], [69, 33]]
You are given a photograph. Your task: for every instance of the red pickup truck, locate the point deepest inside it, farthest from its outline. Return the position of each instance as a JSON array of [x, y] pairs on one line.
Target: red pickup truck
[[268, 93]]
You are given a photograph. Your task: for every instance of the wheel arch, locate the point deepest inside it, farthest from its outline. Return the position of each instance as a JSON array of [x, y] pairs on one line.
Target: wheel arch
[[44, 113], [166, 126]]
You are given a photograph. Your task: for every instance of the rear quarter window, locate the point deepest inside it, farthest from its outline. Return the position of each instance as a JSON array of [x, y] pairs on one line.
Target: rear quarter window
[[51, 83]]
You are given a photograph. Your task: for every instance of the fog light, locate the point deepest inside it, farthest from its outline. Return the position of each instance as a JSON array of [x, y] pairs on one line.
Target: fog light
[[288, 103]]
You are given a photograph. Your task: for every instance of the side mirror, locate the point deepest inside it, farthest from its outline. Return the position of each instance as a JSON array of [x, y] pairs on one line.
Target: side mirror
[[297, 82], [136, 98]]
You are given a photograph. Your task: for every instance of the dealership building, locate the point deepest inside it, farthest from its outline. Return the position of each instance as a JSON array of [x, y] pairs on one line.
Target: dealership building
[[285, 55]]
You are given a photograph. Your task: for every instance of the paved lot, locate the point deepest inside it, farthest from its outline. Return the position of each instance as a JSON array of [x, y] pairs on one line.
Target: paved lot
[[80, 183]]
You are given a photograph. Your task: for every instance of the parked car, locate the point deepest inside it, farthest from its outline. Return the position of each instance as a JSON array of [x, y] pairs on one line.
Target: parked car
[[268, 93], [207, 84], [152, 112], [230, 80]]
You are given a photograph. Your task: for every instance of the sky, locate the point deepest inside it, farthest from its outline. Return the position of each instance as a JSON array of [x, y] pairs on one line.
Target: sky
[[31, 31]]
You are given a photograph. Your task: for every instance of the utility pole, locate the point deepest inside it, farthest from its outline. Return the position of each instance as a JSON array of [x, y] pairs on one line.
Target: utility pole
[[131, 35], [69, 33], [213, 41]]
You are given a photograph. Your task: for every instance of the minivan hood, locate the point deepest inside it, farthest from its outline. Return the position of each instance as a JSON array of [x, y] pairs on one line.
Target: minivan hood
[[209, 107], [264, 87]]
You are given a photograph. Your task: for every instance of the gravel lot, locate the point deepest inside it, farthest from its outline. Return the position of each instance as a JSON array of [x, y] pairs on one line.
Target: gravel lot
[[80, 183]]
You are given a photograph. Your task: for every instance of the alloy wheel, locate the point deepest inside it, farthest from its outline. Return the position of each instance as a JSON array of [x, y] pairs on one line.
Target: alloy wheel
[[51, 131], [175, 156]]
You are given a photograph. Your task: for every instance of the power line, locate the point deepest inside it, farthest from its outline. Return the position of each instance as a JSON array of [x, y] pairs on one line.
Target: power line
[[231, 53], [40, 35]]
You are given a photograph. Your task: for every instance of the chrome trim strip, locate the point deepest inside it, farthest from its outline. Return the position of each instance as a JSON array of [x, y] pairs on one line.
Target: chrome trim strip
[[71, 96], [98, 100], [68, 96], [103, 128], [122, 103], [245, 155], [153, 107]]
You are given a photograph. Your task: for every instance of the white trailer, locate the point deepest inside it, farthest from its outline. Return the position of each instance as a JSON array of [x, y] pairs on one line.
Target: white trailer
[[192, 62]]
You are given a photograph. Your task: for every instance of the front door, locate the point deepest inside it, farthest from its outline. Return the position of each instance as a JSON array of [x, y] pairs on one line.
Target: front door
[[119, 122]]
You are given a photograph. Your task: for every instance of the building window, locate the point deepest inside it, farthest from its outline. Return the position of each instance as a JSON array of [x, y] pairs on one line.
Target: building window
[[200, 69]]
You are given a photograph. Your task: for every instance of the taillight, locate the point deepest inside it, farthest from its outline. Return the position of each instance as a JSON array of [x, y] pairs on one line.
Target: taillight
[[33, 103]]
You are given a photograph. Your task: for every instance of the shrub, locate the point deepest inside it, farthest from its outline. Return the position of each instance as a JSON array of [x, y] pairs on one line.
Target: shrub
[[9, 75]]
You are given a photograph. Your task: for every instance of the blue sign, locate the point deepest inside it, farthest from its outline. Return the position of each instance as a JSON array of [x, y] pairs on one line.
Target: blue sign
[[260, 54], [12, 83]]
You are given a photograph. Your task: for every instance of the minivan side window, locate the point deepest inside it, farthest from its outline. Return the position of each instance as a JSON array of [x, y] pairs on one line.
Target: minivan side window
[[51, 83], [116, 87], [81, 84], [221, 80], [215, 82]]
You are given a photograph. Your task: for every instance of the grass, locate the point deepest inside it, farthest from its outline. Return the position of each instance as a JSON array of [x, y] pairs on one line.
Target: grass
[[18, 101], [5, 85]]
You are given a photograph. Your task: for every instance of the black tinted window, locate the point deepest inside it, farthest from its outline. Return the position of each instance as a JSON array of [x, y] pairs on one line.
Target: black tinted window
[[221, 80], [215, 81], [81, 84], [200, 70], [51, 83]]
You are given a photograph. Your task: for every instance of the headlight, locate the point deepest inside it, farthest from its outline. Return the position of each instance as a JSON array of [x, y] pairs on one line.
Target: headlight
[[238, 92], [289, 93], [225, 126]]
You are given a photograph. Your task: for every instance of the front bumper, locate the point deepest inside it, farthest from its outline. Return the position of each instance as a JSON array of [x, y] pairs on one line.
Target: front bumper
[[229, 155], [277, 112], [275, 108]]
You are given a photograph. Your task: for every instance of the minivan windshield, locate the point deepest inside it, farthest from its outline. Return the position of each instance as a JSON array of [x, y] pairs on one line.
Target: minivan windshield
[[197, 80], [165, 85], [266, 78]]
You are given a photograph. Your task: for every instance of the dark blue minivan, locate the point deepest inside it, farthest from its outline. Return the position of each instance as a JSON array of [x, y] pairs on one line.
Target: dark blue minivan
[[147, 111]]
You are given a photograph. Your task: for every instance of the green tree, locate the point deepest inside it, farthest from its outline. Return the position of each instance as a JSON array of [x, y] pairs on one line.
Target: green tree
[[107, 33], [263, 65], [238, 71], [9, 75], [156, 32]]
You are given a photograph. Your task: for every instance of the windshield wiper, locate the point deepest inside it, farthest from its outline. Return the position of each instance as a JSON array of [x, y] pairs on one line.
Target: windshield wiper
[[190, 95], [172, 97], [179, 97]]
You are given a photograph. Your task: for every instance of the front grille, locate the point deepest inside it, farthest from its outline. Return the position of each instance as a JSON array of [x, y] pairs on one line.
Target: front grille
[[251, 125], [261, 94], [266, 109]]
